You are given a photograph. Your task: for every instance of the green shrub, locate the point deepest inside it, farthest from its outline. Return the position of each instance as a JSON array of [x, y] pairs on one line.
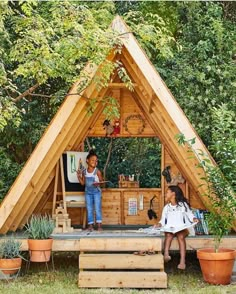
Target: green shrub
[[40, 227], [10, 248]]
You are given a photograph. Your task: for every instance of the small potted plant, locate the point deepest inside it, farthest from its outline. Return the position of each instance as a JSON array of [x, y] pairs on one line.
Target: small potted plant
[[220, 221], [216, 263], [10, 256], [39, 229]]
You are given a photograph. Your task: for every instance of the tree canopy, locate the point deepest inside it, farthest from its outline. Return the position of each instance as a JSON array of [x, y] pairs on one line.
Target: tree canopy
[[44, 45]]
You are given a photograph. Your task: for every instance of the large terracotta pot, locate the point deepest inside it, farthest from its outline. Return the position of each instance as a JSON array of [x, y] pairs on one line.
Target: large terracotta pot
[[10, 266], [40, 250], [216, 267]]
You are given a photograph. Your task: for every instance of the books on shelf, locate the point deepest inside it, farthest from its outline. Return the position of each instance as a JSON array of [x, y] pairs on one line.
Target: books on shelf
[[202, 227]]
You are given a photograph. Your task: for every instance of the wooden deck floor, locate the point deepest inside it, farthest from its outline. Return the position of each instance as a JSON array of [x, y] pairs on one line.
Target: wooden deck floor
[[71, 241]]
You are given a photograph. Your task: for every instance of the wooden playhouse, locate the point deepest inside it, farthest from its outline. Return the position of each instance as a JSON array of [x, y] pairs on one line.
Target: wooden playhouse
[[149, 110]]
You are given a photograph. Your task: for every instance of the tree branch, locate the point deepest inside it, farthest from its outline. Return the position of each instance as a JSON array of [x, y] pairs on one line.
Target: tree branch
[[108, 158], [87, 141], [26, 93]]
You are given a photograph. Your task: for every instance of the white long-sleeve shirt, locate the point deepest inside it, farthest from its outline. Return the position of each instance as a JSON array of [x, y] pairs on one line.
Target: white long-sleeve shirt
[[176, 215]]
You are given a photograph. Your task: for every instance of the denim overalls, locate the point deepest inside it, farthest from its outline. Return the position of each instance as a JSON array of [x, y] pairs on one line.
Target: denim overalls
[[93, 198]]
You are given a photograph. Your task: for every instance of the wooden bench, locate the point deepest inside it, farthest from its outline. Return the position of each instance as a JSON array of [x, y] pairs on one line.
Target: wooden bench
[[111, 263]]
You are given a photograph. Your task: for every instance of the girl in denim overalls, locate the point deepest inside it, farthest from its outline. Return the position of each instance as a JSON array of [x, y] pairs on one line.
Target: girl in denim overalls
[[91, 177]]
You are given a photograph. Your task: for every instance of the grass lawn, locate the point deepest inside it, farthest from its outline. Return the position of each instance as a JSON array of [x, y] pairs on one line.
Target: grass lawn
[[64, 279]]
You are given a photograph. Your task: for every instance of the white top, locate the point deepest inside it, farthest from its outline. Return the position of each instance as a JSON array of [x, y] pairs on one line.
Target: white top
[[89, 175], [176, 215]]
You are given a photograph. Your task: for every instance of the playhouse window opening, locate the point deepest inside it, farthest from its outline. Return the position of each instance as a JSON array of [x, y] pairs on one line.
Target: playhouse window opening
[[136, 156]]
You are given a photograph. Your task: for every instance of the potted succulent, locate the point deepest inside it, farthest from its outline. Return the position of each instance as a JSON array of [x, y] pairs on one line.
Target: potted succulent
[[10, 256], [39, 229], [216, 263]]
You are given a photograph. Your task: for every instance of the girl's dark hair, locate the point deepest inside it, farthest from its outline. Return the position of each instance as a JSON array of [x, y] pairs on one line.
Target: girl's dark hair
[[179, 195], [91, 153]]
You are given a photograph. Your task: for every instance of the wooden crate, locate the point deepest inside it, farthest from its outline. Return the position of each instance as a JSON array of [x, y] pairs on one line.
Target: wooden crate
[[128, 184], [110, 263]]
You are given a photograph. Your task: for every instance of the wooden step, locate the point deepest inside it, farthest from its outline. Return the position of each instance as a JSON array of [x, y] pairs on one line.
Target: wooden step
[[122, 279], [121, 261], [120, 244], [111, 263]]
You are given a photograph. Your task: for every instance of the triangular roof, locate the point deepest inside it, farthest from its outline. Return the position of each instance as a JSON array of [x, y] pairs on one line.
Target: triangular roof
[[71, 125]]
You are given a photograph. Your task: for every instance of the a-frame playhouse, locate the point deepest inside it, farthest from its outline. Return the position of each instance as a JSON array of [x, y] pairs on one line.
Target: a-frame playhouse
[[149, 110]]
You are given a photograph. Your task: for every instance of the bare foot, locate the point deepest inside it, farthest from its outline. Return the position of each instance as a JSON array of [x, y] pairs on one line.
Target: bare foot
[[90, 228], [99, 227], [181, 266]]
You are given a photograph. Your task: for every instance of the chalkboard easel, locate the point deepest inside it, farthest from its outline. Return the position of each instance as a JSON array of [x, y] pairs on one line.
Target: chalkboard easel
[[67, 194]]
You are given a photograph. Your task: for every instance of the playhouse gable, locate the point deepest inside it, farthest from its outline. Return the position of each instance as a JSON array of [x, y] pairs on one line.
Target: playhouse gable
[[149, 110]]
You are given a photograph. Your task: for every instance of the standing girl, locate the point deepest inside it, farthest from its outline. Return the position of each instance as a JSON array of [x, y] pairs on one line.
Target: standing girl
[[176, 213], [91, 177]]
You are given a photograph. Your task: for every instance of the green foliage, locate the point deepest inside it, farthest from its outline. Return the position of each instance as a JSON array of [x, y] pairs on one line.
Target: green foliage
[[220, 193], [220, 219], [202, 74], [224, 141], [152, 33], [10, 248], [138, 156], [48, 43], [9, 169], [45, 44], [40, 227]]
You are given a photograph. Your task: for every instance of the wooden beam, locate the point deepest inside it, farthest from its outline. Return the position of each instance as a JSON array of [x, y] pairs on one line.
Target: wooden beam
[[87, 123], [193, 243], [167, 130], [22, 188], [119, 244], [152, 103], [161, 91], [119, 85], [167, 133], [33, 193], [72, 133]]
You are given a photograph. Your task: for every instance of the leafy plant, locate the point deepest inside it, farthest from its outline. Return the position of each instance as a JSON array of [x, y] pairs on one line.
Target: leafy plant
[[223, 201], [224, 138], [40, 227], [10, 248]]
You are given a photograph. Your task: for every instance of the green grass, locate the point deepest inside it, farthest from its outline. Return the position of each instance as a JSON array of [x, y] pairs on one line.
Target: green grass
[[64, 279]]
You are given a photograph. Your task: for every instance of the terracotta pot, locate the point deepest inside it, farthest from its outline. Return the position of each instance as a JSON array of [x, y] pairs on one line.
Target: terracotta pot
[[10, 266], [40, 250], [216, 267]]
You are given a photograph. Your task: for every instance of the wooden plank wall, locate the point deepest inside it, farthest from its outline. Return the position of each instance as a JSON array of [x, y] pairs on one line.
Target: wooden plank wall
[[192, 243], [128, 118], [115, 207]]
